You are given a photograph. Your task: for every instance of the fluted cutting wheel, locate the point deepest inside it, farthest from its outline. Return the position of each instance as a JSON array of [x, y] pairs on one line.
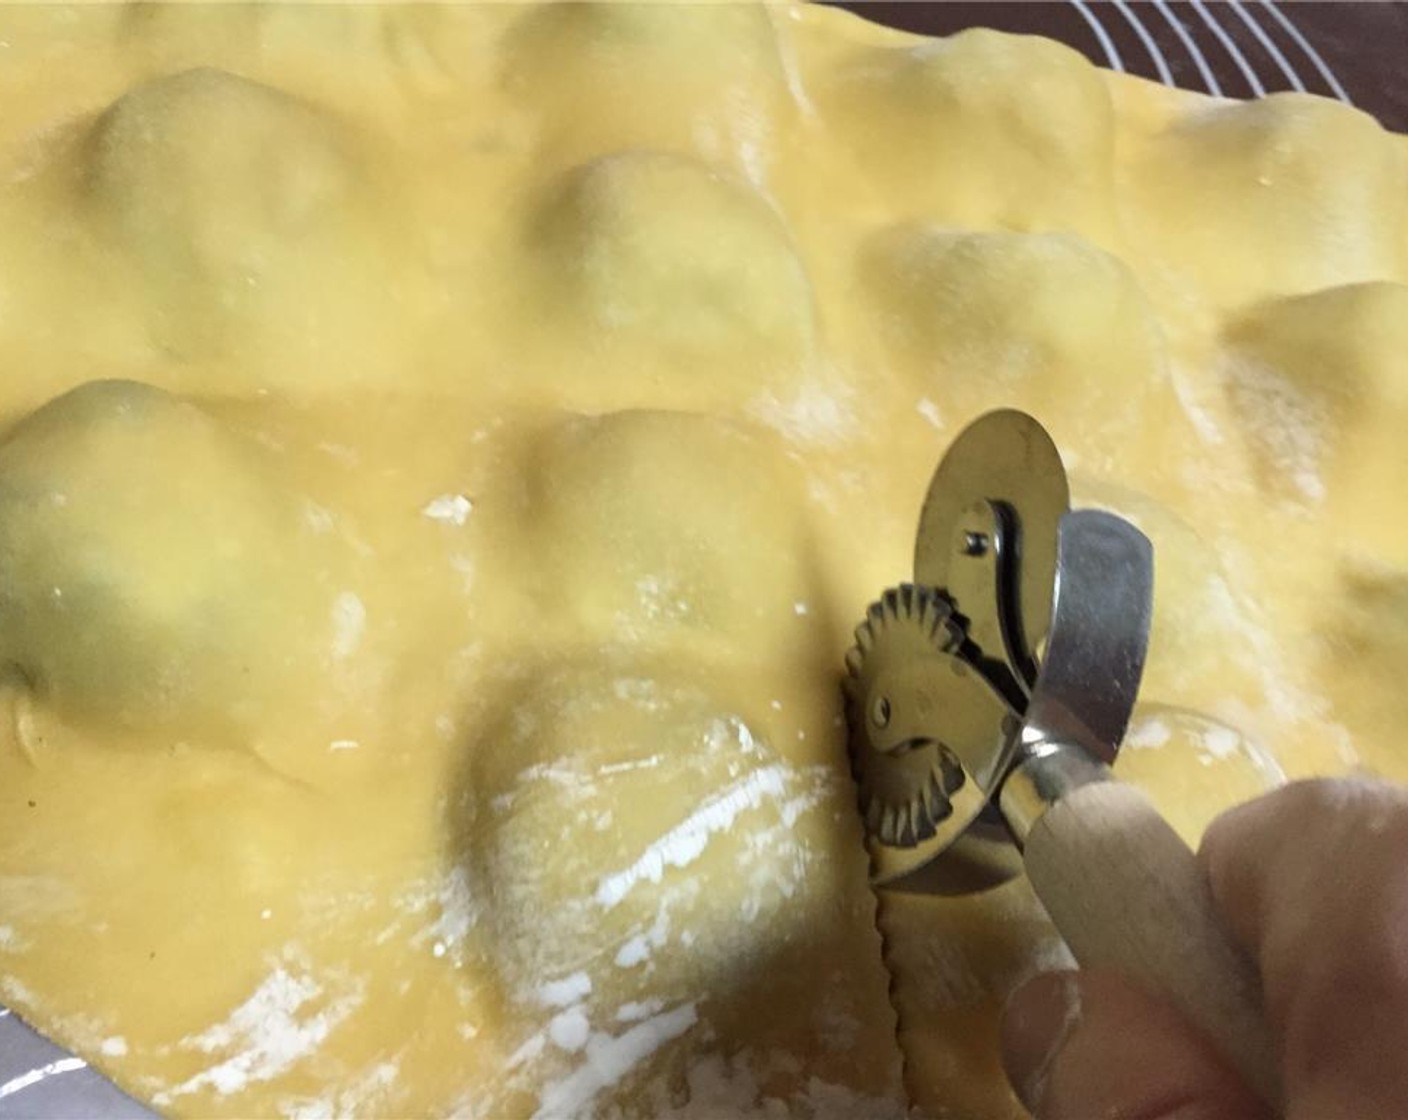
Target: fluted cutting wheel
[[904, 779]]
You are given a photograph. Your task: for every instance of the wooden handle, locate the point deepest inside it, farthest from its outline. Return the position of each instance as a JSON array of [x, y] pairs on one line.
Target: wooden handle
[[1127, 893]]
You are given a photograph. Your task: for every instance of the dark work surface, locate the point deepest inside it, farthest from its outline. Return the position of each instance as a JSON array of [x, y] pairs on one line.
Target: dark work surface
[[1357, 52], [38, 1080]]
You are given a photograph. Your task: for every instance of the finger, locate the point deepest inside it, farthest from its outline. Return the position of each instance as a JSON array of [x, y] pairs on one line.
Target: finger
[[1078, 1045], [1313, 880]]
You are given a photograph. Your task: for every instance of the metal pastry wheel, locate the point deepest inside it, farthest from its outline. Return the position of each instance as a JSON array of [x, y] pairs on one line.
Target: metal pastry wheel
[[986, 703]]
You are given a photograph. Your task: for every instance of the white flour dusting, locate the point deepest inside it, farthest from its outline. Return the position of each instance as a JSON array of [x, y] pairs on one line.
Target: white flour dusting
[[1290, 426], [551, 772], [634, 1012], [730, 734], [1220, 742], [567, 777], [318, 519], [660, 598], [1147, 734], [37, 896], [527, 1052], [17, 995], [464, 567], [449, 509], [1213, 741], [608, 1058], [113, 1047], [684, 843], [637, 948], [812, 415], [1217, 742], [634, 951], [570, 1029], [650, 762], [286, 1019], [563, 993], [1185, 390], [719, 1086], [342, 454], [458, 913], [349, 623], [367, 1096], [641, 691]]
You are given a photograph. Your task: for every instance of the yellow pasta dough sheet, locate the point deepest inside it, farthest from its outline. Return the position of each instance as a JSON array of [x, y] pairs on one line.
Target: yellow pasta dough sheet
[[443, 452]]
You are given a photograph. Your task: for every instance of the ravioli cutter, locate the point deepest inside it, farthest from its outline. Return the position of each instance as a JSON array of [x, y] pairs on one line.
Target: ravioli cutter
[[986, 703]]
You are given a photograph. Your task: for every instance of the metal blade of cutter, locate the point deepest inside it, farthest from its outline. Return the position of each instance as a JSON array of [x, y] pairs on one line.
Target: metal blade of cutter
[[1104, 603], [987, 536]]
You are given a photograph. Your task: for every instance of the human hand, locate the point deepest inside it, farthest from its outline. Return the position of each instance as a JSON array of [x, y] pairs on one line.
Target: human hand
[[1312, 880]]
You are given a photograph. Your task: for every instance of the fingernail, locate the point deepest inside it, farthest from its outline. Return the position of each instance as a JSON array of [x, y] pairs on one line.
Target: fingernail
[[1040, 1018]]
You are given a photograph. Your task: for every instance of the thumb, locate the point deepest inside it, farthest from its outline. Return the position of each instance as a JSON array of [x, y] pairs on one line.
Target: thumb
[[1078, 1045]]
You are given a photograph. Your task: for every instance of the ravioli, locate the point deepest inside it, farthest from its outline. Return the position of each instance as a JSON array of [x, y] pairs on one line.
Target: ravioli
[[152, 571], [649, 527], [443, 454]]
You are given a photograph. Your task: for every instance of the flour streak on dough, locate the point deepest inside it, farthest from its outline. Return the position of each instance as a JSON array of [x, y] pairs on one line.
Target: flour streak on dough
[[274, 1029], [815, 414], [634, 1012], [568, 990], [456, 914], [349, 621], [1146, 734], [450, 509], [1288, 423], [720, 1087], [608, 1058], [17, 994], [365, 1097], [115, 1046], [684, 843], [569, 1030]]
